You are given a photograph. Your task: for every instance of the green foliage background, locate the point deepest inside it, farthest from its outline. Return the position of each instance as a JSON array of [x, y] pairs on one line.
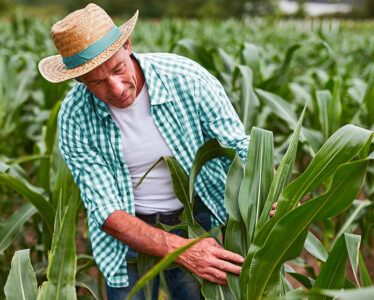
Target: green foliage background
[[331, 56]]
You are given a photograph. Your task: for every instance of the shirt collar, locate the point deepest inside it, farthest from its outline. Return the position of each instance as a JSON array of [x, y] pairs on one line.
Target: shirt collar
[[156, 84]]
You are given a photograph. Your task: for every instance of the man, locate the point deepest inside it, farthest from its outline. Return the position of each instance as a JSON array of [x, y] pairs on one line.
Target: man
[[126, 111]]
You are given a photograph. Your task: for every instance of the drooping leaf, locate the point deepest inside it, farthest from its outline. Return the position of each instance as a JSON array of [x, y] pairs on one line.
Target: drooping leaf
[[13, 225], [352, 242], [315, 247], [31, 193], [197, 52], [357, 207], [85, 281], [280, 77]]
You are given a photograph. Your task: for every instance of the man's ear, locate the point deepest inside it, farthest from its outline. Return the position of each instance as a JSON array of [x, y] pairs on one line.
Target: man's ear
[[128, 46]]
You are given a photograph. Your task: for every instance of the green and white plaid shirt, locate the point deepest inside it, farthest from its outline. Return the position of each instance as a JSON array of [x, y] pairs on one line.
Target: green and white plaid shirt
[[188, 105]]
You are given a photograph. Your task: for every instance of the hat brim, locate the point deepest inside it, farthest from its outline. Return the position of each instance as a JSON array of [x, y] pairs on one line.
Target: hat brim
[[54, 70]]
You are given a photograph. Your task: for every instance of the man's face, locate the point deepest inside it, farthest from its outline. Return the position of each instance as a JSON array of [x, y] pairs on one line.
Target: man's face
[[116, 81]]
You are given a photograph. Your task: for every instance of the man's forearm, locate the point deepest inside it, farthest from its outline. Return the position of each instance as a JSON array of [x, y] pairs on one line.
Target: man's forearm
[[140, 236]]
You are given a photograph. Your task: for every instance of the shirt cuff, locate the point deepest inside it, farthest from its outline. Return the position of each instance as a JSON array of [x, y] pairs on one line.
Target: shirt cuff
[[103, 212]]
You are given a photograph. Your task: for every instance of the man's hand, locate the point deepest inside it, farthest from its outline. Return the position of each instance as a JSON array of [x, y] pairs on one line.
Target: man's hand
[[210, 261]]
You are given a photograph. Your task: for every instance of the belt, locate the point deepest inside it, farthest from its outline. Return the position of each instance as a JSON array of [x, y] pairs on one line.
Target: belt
[[169, 218]]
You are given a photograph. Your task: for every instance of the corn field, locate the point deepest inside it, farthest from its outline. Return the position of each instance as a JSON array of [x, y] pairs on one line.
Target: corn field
[[304, 91]]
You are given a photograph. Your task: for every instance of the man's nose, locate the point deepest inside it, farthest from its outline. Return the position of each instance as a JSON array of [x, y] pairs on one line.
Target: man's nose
[[115, 87]]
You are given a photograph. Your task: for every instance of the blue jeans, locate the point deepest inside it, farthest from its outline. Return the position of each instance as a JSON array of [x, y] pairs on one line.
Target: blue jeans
[[182, 286]]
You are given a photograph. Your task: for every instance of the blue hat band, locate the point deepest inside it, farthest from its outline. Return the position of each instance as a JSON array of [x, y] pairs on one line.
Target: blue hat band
[[93, 50]]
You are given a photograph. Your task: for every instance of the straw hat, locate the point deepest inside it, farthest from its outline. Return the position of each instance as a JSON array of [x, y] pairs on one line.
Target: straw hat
[[85, 39]]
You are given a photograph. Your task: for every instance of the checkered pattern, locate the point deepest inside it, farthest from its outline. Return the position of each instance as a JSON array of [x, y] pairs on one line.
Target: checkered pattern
[[188, 105]]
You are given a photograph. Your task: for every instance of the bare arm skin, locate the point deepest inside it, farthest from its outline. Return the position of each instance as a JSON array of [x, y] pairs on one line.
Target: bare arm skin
[[206, 259]]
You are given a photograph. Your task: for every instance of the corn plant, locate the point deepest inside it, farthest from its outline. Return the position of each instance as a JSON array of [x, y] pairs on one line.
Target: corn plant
[[267, 243]]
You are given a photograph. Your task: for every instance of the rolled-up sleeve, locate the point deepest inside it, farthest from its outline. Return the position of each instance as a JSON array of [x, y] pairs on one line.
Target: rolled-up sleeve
[[94, 177]]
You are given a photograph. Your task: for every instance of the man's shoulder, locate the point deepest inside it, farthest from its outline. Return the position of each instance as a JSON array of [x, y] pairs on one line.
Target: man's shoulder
[[172, 65], [76, 99]]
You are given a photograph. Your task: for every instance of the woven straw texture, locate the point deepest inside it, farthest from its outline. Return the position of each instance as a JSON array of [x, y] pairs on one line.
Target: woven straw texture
[[75, 33]]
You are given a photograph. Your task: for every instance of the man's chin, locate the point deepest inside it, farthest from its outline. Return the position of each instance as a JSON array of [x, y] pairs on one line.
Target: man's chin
[[122, 103]]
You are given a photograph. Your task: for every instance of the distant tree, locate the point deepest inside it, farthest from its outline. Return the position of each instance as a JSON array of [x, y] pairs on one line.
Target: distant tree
[[301, 9], [4, 4], [254, 7], [370, 8]]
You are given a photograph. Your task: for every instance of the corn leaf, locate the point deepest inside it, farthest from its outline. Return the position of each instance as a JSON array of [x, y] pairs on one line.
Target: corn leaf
[[62, 259], [250, 56], [323, 100], [366, 293], [235, 236], [352, 242], [211, 149], [145, 262], [315, 247], [284, 172], [349, 218], [85, 281], [258, 175], [368, 99], [280, 77], [332, 274], [12, 226], [21, 283], [32, 194], [248, 101], [335, 107], [213, 291], [364, 274]]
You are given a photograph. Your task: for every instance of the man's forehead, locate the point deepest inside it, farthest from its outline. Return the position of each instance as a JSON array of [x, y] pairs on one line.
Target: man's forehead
[[106, 66]]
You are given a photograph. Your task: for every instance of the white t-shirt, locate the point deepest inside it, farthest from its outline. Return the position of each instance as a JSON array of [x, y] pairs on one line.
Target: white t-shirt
[[142, 147]]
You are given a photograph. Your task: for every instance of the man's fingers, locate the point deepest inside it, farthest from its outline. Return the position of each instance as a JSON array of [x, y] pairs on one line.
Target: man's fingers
[[228, 255], [217, 276], [227, 266], [215, 280]]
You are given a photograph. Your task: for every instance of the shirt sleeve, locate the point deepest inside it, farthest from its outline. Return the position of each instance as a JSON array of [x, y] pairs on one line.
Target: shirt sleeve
[[94, 177], [218, 116]]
